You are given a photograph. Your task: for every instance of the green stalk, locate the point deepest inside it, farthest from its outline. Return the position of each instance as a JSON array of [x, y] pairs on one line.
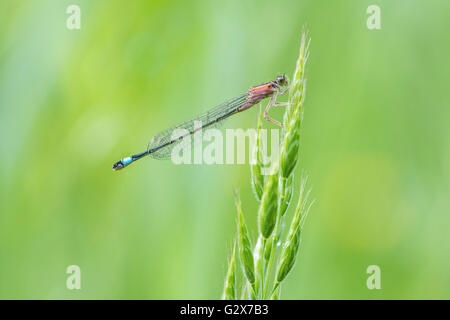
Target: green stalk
[[274, 194]]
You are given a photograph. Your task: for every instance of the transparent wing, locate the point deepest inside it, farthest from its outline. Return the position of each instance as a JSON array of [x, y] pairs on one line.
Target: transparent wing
[[177, 133], [165, 153]]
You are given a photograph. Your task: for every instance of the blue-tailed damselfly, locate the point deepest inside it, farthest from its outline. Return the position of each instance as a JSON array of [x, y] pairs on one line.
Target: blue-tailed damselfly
[[160, 147]]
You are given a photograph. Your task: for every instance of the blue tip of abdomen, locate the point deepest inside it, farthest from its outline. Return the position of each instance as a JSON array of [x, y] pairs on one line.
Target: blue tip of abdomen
[[127, 161]]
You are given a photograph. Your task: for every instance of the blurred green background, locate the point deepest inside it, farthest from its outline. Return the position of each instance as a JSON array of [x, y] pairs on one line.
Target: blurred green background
[[376, 145]]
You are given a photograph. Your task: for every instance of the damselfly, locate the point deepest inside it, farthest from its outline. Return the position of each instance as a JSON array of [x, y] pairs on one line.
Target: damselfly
[[162, 144]]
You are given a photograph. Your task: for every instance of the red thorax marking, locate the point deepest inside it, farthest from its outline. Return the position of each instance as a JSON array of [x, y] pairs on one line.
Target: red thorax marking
[[258, 93]]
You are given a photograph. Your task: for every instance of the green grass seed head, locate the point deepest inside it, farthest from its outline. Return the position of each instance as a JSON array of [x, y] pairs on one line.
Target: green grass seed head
[[229, 292], [244, 244], [287, 188], [288, 256], [293, 115], [268, 248], [290, 247], [268, 208]]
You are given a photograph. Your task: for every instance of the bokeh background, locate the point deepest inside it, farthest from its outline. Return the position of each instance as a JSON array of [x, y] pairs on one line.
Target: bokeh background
[[375, 144]]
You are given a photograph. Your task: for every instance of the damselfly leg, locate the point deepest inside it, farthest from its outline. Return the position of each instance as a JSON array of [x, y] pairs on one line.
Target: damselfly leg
[[274, 103]]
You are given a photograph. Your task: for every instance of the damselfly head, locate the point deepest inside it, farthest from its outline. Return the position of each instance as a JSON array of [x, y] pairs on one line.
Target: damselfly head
[[282, 80], [118, 165]]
